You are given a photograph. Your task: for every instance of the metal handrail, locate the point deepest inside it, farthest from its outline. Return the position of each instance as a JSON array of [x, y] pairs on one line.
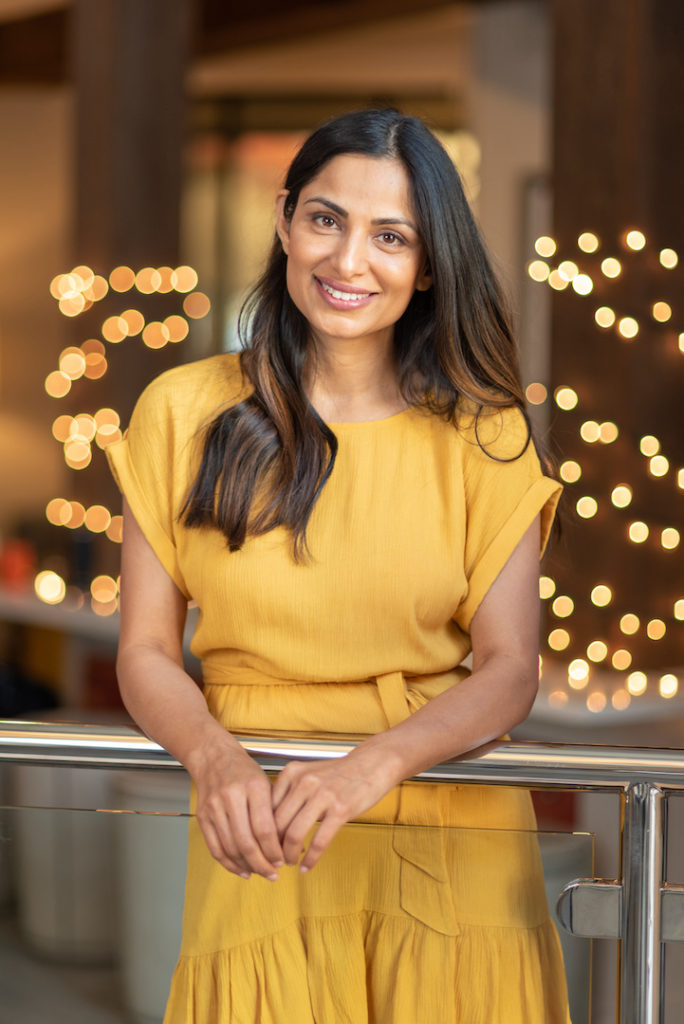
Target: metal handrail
[[645, 910]]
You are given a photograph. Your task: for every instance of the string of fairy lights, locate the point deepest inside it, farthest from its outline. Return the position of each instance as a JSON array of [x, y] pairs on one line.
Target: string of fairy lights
[[76, 292], [589, 673]]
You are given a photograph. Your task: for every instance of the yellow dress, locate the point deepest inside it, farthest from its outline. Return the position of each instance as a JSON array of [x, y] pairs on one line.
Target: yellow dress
[[401, 922]]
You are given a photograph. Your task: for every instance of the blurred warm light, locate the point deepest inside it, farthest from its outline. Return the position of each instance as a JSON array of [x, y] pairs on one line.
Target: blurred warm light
[[98, 288], [620, 700], [134, 320], [72, 363], [93, 346], [568, 270], [196, 305], [178, 328], [588, 241], [115, 329], [536, 393], [678, 610], [621, 659], [638, 532], [587, 507], [566, 398], [583, 284], [596, 701], [559, 639], [104, 589], [680, 478], [601, 595], [658, 465], [57, 384], [649, 445], [49, 587], [545, 246], [608, 432], [629, 623], [557, 282], [680, 342], [628, 327], [668, 685], [108, 433], [668, 258], [597, 650], [58, 511], [669, 538], [538, 270], [77, 453], [155, 334], [604, 316], [86, 275], [578, 673], [184, 279], [77, 516], [73, 305], [635, 240], [122, 279], [84, 425], [148, 280], [115, 529], [558, 698], [656, 629], [570, 471], [547, 587], [621, 496], [637, 683], [96, 366], [590, 431], [103, 608], [61, 428], [106, 416], [97, 519], [611, 267], [563, 606], [661, 312], [166, 279]]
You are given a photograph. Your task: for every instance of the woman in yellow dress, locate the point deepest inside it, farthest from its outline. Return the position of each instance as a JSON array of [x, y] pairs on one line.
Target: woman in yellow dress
[[355, 503]]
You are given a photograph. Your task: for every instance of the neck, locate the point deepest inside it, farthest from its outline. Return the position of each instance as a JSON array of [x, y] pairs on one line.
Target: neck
[[353, 380]]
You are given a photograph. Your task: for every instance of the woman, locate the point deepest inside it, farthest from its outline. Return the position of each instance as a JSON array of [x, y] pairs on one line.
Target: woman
[[354, 503]]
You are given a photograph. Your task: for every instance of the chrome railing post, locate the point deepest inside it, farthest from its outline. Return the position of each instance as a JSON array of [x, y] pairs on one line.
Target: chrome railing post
[[643, 846]]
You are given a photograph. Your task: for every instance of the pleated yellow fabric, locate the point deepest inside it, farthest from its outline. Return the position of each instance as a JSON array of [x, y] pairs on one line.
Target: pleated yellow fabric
[[402, 922]]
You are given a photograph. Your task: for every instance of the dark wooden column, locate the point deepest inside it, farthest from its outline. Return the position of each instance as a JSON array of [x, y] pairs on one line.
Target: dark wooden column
[[618, 157], [129, 61]]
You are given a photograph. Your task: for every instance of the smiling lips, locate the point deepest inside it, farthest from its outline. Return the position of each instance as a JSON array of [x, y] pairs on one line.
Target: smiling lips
[[342, 298]]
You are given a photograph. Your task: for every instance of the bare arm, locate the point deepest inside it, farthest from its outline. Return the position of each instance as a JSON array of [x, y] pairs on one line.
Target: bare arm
[[497, 696], [234, 794]]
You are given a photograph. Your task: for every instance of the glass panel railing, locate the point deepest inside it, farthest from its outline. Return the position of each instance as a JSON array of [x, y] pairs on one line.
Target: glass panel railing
[[91, 907]]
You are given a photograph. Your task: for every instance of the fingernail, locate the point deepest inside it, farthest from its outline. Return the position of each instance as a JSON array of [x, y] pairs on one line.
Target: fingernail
[[272, 878], [245, 875], [278, 863], [303, 869]]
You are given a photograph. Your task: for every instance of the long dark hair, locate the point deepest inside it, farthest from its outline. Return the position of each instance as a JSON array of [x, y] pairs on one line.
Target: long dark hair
[[266, 459]]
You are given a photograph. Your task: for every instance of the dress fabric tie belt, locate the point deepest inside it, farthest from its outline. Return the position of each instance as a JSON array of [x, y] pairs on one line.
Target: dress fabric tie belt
[[393, 697]]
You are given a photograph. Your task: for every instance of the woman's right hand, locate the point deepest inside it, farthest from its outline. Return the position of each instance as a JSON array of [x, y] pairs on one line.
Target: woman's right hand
[[235, 813]]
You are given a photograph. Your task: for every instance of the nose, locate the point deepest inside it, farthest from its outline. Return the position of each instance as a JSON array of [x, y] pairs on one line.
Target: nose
[[350, 257]]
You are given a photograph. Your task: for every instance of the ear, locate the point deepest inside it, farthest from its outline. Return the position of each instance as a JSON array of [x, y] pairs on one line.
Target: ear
[[282, 223], [424, 280]]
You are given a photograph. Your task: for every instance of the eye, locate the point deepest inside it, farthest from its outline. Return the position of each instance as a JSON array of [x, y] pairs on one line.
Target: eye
[[324, 220], [391, 239]]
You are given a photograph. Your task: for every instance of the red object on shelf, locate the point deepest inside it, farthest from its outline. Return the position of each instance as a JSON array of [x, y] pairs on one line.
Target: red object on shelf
[[17, 564]]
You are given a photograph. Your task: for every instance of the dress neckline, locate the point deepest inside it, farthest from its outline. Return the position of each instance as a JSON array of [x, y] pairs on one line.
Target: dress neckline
[[343, 424]]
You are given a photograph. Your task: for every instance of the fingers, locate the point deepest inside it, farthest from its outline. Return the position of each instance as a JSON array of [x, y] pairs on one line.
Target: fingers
[[322, 838], [239, 828]]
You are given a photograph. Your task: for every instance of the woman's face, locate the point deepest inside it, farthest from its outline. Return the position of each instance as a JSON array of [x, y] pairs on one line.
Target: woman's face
[[354, 254]]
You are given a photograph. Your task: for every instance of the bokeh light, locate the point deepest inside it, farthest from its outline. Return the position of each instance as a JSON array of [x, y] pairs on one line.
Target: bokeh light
[[49, 587]]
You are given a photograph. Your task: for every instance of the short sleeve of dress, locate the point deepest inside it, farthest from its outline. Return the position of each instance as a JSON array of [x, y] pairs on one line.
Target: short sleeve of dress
[[143, 465], [505, 489]]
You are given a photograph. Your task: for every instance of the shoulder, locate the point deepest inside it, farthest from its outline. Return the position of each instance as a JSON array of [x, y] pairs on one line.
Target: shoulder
[[192, 393], [500, 433]]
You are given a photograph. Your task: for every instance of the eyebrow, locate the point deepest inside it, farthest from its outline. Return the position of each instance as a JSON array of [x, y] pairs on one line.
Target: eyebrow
[[343, 213]]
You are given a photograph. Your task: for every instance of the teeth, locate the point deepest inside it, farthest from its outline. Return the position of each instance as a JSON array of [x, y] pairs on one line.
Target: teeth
[[345, 296]]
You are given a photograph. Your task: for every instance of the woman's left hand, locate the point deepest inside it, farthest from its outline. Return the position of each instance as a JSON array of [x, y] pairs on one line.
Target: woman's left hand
[[331, 792]]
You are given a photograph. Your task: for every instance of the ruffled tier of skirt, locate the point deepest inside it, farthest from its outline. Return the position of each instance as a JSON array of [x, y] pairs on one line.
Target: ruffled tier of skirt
[[373, 968]]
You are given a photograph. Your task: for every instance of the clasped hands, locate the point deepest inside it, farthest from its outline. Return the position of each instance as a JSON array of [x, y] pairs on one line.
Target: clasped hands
[[252, 826]]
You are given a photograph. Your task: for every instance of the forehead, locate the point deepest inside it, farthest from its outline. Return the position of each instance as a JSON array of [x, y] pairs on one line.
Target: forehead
[[356, 182]]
